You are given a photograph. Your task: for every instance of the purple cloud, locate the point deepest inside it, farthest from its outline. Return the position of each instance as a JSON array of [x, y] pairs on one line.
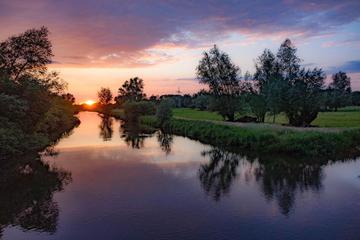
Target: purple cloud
[[121, 32]]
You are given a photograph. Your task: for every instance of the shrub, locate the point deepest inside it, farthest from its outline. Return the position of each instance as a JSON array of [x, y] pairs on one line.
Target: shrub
[[164, 113]]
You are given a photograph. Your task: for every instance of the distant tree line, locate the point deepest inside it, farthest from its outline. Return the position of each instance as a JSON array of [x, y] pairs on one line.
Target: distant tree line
[[279, 85]]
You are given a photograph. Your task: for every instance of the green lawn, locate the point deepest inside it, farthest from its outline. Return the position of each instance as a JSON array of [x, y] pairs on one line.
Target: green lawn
[[196, 114], [345, 117]]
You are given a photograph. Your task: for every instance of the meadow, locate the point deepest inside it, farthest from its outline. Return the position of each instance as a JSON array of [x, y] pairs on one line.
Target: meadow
[[348, 117]]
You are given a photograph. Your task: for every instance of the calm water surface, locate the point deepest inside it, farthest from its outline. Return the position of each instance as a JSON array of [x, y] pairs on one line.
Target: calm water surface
[[107, 183]]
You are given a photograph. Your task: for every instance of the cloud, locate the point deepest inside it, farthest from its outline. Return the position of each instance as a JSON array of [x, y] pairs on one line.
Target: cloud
[[123, 33], [350, 67]]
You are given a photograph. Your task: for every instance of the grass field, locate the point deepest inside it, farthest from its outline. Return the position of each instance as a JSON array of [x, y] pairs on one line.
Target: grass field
[[345, 117]]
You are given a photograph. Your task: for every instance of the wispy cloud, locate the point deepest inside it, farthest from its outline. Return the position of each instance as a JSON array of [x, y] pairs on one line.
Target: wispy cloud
[[123, 33]]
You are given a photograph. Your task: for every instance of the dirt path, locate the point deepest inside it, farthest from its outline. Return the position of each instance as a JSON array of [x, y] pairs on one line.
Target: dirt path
[[269, 125]]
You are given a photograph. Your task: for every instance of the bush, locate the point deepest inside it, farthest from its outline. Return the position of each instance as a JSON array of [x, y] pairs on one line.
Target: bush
[[164, 113], [133, 110]]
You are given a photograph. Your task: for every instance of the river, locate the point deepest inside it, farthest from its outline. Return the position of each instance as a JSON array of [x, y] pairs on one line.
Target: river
[[102, 182]]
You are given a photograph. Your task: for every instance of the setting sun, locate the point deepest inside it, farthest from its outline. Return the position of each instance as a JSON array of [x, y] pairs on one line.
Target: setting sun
[[89, 102]]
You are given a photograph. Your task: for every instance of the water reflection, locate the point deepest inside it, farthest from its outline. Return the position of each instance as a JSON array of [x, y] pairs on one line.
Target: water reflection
[[165, 140], [217, 175], [106, 127], [280, 179], [26, 200], [152, 190], [133, 135]]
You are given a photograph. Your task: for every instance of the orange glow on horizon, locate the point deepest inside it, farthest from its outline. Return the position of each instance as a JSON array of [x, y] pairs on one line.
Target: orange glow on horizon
[[89, 102]]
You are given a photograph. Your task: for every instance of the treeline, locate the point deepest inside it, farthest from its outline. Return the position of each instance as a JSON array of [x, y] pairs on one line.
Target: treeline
[[279, 85], [35, 110]]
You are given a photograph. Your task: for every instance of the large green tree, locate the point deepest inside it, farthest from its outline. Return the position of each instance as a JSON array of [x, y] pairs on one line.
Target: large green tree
[[221, 75], [269, 83]]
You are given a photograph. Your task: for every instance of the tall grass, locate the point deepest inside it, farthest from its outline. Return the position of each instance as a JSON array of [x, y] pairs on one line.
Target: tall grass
[[344, 144]]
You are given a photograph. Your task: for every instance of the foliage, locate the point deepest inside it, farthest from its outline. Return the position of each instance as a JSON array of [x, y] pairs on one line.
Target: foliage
[[227, 106], [104, 96], [133, 110], [339, 91], [258, 106], [201, 101], [355, 98], [131, 90], [217, 71], [304, 97], [164, 113], [28, 52], [34, 109], [263, 141]]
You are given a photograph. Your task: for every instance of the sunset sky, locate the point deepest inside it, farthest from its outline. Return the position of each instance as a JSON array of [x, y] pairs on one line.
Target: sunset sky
[[104, 43]]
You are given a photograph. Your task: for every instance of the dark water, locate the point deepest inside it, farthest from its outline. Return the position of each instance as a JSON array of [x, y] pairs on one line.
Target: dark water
[[109, 184]]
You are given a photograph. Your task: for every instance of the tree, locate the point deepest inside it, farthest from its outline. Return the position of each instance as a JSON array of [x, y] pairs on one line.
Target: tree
[[104, 96], [268, 83], [289, 62], [355, 97], [131, 90], [69, 97], [304, 97], [222, 76], [217, 71], [28, 52], [340, 90], [164, 113]]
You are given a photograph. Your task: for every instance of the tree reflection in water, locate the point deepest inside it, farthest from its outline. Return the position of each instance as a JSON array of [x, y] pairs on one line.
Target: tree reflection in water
[[27, 190], [165, 140], [106, 127], [216, 176], [279, 179], [282, 179], [133, 135]]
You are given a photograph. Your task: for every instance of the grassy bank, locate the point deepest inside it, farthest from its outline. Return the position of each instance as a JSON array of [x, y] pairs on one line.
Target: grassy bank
[[345, 144], [345, 117]]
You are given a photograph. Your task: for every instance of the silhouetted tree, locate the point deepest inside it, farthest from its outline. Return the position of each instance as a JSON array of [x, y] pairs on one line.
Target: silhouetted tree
[[131, 90], [339, 90], [28, 52], [104, 96], [217, 71], [269, 86], [68, 97], [302, 88]]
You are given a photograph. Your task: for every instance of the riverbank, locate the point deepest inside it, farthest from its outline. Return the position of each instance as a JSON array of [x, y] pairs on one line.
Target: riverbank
[[333, 145], [57, 122]]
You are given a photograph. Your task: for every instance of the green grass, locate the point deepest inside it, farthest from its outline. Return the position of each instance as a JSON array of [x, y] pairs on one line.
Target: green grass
[[319, 145], [345, 117], [196, 114]]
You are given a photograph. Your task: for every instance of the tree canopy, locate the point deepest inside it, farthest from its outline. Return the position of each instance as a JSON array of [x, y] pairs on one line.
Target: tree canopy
[[131, 90], [28, 52]]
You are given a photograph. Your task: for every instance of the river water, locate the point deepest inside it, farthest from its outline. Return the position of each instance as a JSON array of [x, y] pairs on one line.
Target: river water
[[108, 183]]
